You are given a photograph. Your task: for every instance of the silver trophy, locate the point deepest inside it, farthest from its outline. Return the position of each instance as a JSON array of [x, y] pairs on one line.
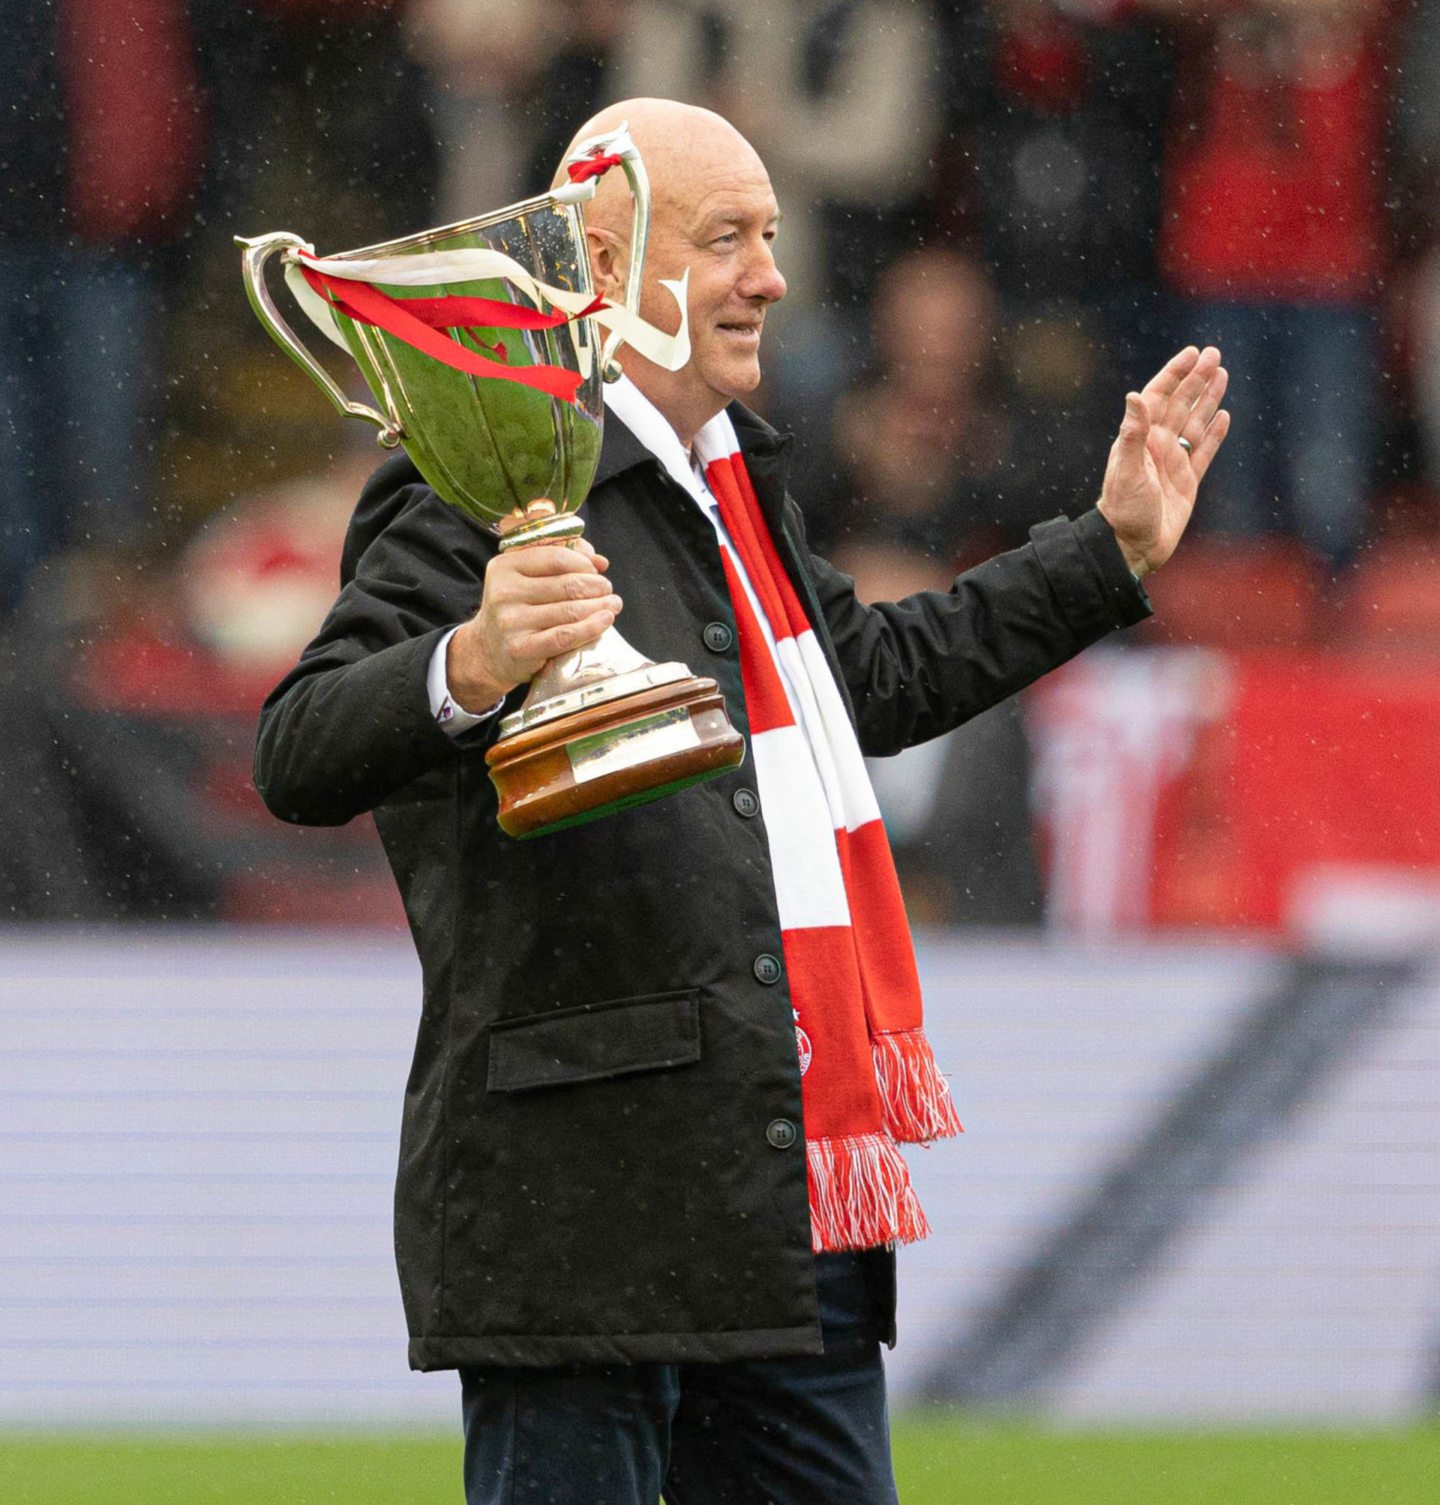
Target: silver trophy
[[481, 343]]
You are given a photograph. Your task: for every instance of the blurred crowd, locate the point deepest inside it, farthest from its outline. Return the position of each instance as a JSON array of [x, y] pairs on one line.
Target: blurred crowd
[[999, 215]]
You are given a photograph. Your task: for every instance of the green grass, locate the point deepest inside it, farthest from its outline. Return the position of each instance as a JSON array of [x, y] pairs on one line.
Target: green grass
[[938, 1462]]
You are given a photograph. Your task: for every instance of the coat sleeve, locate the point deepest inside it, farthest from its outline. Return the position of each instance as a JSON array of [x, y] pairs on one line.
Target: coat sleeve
[[351, 724], [919, 667]]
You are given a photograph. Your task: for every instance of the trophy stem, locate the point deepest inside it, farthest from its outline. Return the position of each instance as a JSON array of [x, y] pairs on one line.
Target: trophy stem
[[540, 522], [602, 727], [603, 670]]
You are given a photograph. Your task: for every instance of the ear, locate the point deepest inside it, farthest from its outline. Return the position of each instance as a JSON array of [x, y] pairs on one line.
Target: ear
[[609, 262]]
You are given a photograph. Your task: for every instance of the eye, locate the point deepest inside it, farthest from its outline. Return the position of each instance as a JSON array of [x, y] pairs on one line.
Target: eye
[[728, 239]]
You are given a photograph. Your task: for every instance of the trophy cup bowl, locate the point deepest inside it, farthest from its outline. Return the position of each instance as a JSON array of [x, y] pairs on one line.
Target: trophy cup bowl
[[602, 728]]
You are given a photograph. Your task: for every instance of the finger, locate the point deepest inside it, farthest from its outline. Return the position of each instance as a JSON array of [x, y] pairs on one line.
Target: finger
[[569, 635], [1209, 442], [1206, 408], [1178, 407], [545, 590], [1172, 373], [522, 618], [1134, 429], [586, 547]]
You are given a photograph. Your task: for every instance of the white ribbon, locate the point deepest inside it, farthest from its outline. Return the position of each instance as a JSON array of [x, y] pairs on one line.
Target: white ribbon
[[314, 307], [668, 351]]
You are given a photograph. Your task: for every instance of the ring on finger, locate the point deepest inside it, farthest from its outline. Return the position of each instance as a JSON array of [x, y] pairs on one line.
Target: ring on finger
[[1185, 444]]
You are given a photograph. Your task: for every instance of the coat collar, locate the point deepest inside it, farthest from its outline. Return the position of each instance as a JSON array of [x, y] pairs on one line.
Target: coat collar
[[767, 459], [620, 450], [766, 451]]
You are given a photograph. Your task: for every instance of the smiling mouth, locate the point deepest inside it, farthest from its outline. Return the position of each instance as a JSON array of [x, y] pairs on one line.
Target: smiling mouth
[[746, 329]]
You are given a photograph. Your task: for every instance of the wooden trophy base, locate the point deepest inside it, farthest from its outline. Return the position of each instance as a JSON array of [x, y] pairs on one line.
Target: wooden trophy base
[[611, 756]]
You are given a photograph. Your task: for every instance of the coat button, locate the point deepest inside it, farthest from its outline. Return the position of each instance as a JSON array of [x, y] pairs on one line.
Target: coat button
[[767, 967], [718, 637], [745, 803], [781, 1133]]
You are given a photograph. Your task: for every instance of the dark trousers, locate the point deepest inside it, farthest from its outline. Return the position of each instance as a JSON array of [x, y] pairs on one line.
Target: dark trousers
[[802, 1431]]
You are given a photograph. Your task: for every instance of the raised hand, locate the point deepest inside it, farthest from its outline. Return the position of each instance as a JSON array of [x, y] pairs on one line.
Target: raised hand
[[1170, 434]]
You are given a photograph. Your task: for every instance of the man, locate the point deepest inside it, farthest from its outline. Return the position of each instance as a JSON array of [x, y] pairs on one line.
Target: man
[[609, 1190]]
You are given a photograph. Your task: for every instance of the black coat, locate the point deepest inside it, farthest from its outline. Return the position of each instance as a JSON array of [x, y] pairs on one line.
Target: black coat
[[585, 1173]]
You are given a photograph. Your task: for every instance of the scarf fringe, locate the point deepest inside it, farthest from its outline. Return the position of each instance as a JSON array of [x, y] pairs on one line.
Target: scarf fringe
[[860, 1194], [915, 1099]]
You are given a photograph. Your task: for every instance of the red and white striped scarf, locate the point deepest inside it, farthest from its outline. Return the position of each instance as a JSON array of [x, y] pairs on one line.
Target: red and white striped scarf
[[868, 1077]]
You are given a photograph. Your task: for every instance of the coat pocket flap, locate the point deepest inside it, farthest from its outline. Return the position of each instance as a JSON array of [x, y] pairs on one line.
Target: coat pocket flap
[[595, 1040]]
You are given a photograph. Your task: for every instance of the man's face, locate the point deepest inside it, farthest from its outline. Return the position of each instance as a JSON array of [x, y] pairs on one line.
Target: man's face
[[718, 220]]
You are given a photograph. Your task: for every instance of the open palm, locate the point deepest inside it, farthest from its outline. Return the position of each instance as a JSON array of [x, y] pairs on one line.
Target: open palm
[[1170, 434]]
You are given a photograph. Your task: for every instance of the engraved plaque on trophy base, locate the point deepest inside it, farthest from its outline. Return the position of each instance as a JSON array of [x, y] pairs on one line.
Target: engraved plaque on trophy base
[[613, 756]]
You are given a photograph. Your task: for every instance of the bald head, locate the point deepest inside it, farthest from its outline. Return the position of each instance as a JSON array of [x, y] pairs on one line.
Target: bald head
[[682, 145]]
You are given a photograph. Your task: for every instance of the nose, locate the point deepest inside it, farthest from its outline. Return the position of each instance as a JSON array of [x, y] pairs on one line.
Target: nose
[[762, 280]]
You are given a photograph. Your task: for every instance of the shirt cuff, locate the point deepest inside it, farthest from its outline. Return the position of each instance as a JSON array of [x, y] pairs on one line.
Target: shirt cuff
[[451, 716]]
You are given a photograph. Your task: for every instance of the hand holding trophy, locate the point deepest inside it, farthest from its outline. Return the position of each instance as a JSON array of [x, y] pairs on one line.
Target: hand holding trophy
[[479, 341]]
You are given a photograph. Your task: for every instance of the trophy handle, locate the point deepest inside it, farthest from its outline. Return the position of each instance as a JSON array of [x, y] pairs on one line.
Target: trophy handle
[[257, 252], [618, 143]]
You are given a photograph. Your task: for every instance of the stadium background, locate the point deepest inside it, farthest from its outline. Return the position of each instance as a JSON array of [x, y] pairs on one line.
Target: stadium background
[[1177, 909]]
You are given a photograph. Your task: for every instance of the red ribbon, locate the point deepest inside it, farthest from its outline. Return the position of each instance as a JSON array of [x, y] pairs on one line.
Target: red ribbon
[[465, 313], [592, 167], [418, 322]]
